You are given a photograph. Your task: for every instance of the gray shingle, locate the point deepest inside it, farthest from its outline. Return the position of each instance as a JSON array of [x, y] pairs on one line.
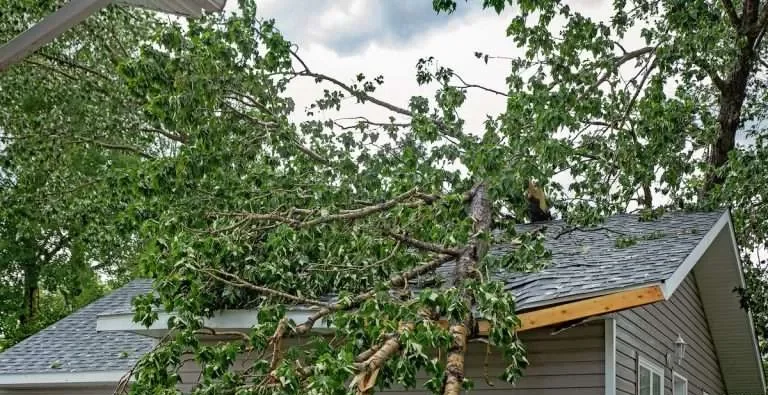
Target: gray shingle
[[586, 261], [73, 345], [583, 262]]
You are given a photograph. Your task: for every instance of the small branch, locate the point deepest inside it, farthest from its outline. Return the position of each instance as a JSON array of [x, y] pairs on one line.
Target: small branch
[[235, 281], [346, 215], [116, 147], [635, 96], [180, 137], [72, 64], [423, 245], [620, 60], [277, 341], [366, 121], [466, 85]]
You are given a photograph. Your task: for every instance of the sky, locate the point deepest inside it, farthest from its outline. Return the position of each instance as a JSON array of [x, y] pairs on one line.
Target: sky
[[342, 38]]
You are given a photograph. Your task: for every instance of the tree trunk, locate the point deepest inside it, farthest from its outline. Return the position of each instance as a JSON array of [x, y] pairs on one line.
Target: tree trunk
[[733, 92], [466, 267], [31, 294]]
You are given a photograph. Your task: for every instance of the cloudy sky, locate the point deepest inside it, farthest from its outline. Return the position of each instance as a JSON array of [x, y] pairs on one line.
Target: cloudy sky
[[387, 37]]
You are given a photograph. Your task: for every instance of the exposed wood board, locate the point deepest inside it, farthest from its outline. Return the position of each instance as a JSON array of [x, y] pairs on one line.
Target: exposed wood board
[[590, 307]]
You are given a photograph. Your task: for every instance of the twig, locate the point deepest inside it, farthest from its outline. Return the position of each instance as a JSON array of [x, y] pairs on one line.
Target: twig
[[466, 85]]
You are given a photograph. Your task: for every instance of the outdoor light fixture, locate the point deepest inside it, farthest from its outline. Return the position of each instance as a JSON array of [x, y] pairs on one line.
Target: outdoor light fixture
[[680, 346], [75, 11]]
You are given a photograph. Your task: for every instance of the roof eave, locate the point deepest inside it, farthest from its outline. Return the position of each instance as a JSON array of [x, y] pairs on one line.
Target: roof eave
[[36, 380]]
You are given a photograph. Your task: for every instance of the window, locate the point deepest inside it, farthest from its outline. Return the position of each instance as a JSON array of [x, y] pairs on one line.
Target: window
[[650, 378], [679, 384]]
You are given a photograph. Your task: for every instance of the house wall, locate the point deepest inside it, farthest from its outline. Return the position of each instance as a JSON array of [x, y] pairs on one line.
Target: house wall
[[569, 363], [650, 331]]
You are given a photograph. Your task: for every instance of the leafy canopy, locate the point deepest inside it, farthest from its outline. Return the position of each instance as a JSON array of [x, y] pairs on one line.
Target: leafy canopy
[[186, 130]]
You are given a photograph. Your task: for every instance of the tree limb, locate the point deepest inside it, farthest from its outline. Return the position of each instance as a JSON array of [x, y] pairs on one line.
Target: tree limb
[[620, 60]]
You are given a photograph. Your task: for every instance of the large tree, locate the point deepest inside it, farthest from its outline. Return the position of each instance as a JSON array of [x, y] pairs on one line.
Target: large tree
[[66, 130], [236, 206]]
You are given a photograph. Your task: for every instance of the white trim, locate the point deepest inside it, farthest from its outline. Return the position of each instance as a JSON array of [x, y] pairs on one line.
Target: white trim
[[40, 379], [676, 375], [674, 281], [232, 320], [735, 247], [643, 362], [610, 356]]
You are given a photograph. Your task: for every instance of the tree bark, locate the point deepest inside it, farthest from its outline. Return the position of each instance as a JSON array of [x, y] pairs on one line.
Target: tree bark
[[31, 294], [733, 92], [466, 267]]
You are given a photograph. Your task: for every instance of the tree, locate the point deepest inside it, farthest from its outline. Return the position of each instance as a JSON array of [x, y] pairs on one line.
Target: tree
[[61, 228], [237, 207]]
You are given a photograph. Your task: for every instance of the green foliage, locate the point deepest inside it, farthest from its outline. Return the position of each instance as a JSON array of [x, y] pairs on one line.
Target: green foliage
[[142, 146]]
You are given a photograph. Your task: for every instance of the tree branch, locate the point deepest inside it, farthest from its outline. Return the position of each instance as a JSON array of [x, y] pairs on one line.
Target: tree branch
[[343, 216], [116, 147], [620, 60], [72, 64], [423, 245], [395, 281], [366, 121], [236, 281], [180, 137], [466, 85]]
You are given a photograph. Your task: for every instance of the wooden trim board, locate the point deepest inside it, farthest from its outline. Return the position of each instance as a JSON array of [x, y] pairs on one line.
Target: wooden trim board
[[584, 308]]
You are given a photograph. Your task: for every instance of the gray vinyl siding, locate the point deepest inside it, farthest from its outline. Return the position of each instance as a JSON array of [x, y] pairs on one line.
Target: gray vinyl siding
[[568, 363], [650, 331]]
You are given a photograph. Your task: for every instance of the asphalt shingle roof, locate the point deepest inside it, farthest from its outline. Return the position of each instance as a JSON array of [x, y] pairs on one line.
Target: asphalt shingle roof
[[73, 345], [587, 261], [582, 262]]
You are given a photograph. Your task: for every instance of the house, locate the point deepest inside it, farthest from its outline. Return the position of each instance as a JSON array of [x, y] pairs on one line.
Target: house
[[609, 315]]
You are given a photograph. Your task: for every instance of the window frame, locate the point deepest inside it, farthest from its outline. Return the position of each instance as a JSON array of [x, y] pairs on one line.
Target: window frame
[[676, 375], [653, 368]]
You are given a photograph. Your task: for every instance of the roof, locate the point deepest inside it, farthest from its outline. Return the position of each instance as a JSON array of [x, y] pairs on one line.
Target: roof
[[588, 261], [584, 262], [73, 345]]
